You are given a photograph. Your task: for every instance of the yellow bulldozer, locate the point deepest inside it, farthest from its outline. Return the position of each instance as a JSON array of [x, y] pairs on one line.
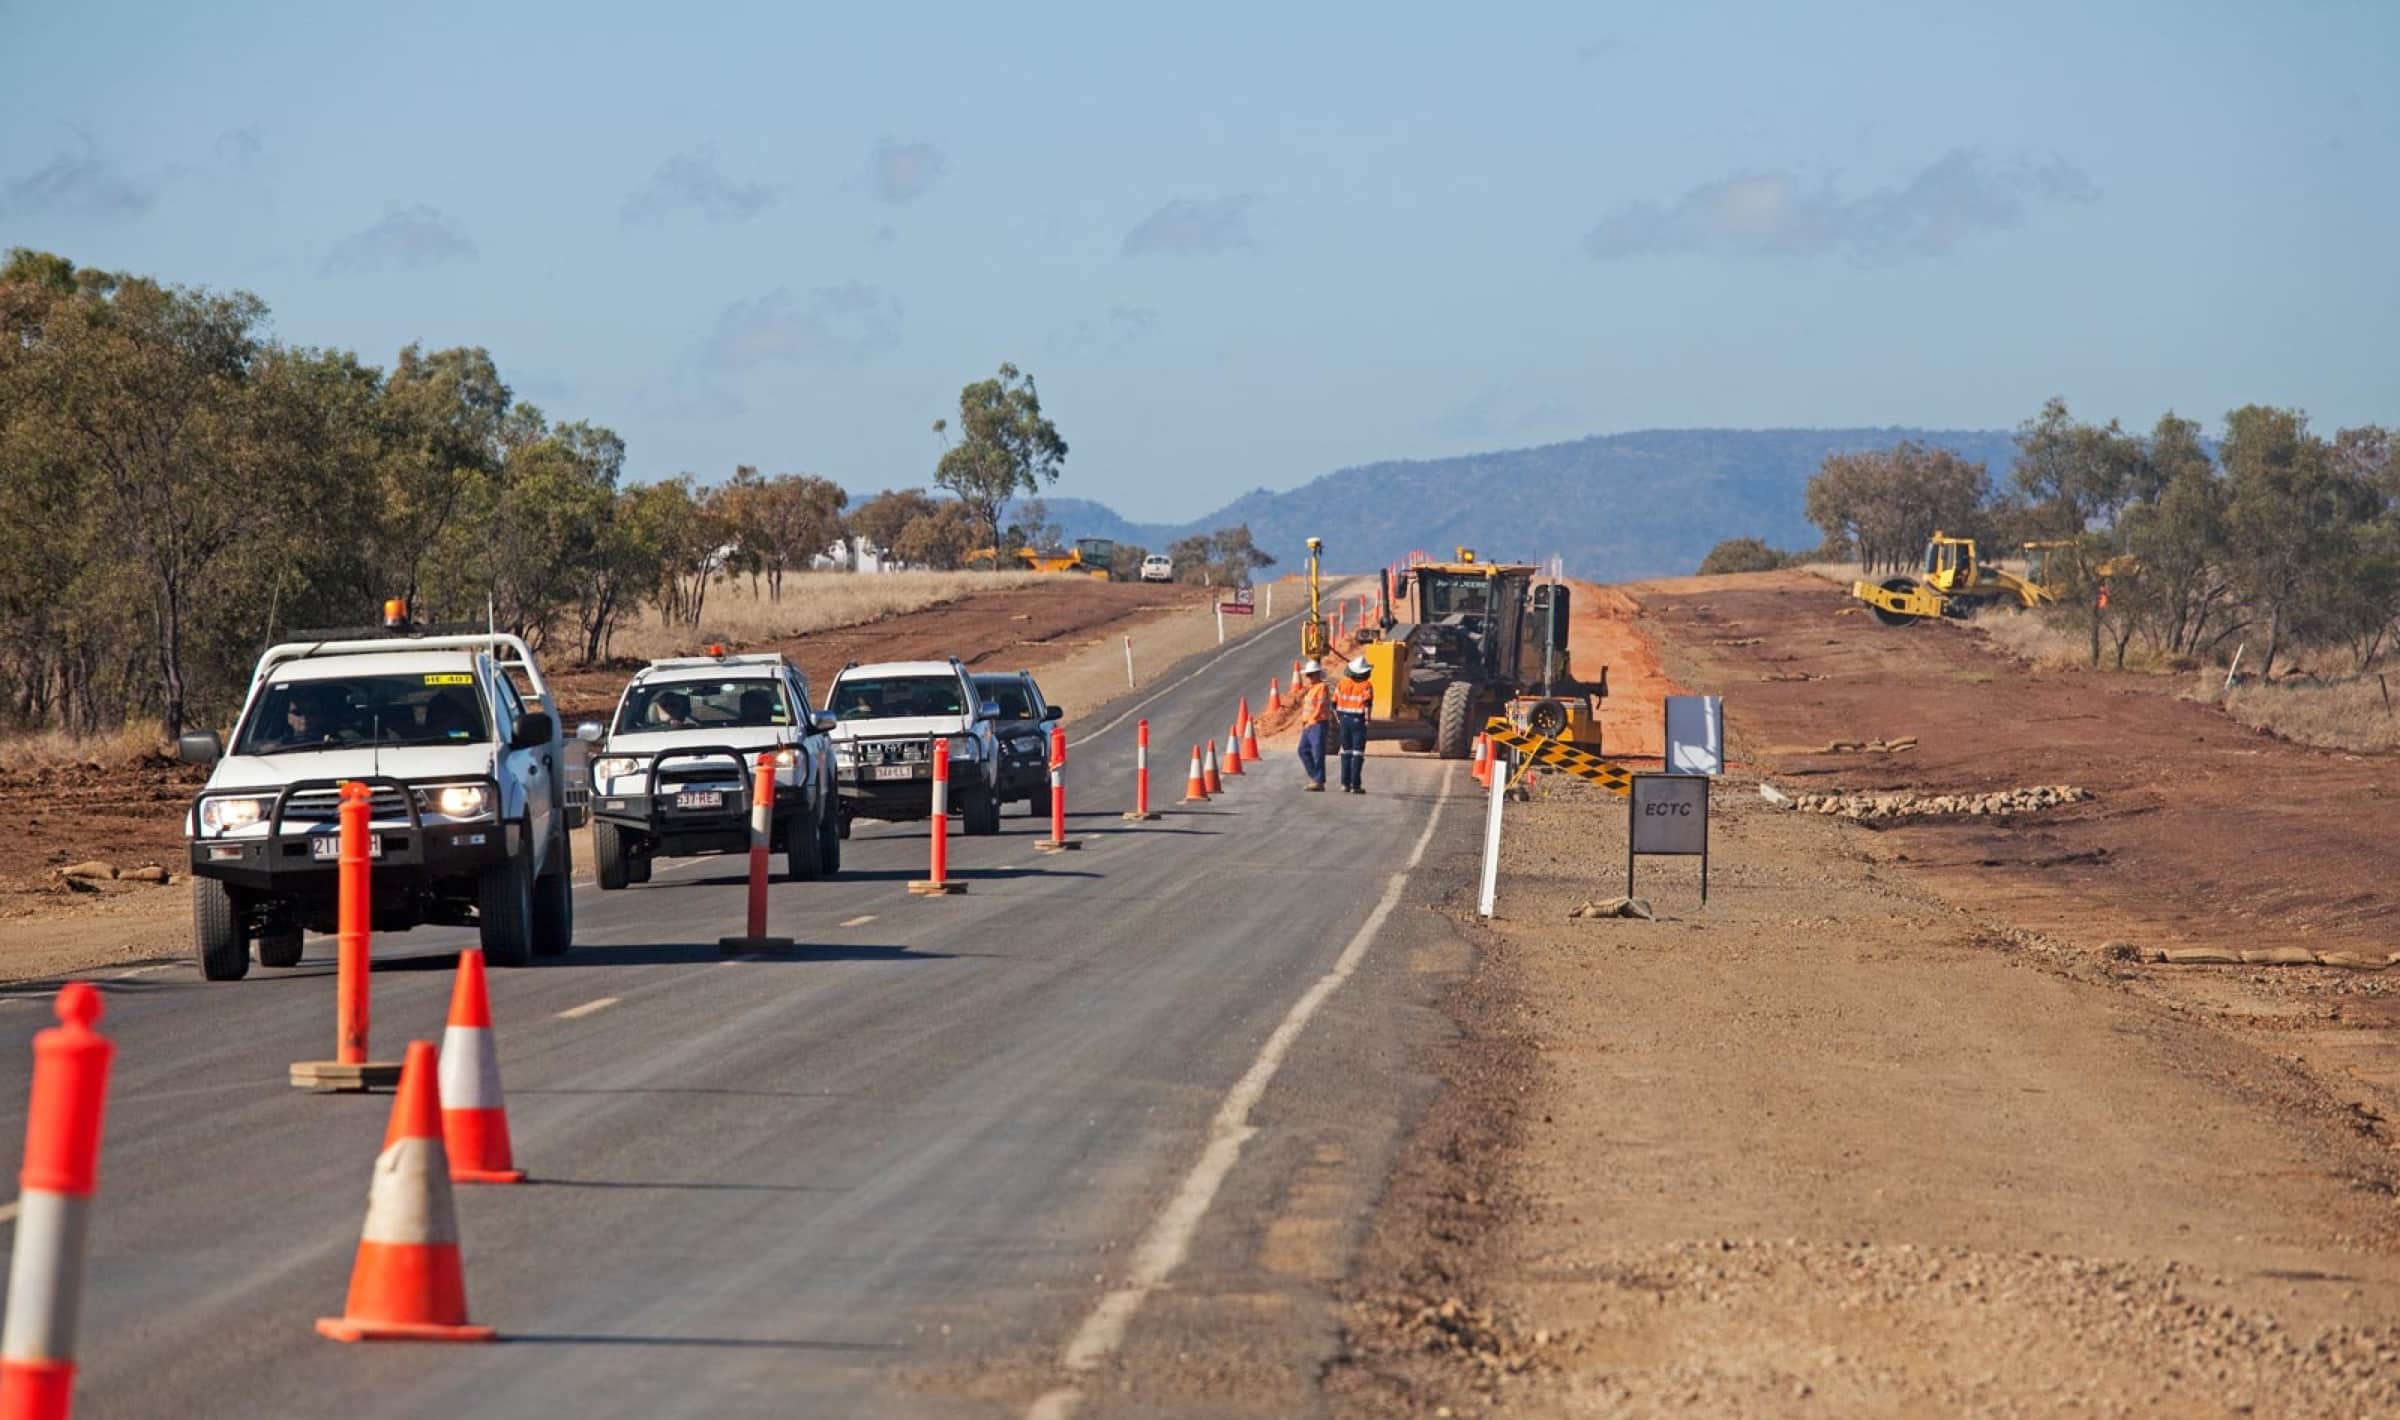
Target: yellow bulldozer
[[1958, 583], [1477, 639]]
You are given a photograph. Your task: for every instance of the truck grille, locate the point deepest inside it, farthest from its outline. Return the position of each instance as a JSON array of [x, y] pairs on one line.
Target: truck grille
[[893, 751], [719, 773], [325, 805]]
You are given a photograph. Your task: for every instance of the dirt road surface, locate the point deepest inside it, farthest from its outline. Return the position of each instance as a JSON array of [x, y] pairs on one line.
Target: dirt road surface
[[1883, 1130]]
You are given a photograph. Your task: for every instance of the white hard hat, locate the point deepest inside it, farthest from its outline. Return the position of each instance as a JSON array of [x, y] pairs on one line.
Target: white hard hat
[[1358, 666], [1310, 667]]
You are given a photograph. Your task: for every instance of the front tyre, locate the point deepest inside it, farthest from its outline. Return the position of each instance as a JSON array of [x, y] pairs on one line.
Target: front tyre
[[803, 852], [504, 912], [217, 936], [829, 844], [981, 813], [554, 905], [1454, 731], [280, 947], [612, 856]]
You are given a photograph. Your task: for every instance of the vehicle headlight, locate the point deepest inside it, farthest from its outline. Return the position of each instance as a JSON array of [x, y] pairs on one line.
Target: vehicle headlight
[[227, 814], [785, 759], [966, 747], [462, 800], [614, 767], [1027, 744]]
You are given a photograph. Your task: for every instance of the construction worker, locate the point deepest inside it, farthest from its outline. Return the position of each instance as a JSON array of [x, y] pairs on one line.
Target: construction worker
[[1352, 697], [1316, 715]]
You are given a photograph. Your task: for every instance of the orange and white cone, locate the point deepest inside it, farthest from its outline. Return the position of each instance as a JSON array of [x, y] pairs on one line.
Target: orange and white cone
[[1483, 759], [1195, 789], [474, 1116], [1274, 696], [1233, 750], [1249, 733], [1209, 773], [408, 1283]]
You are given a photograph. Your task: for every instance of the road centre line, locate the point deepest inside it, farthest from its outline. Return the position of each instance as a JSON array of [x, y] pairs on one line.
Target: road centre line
[[1168, 1241], [588, 1007]]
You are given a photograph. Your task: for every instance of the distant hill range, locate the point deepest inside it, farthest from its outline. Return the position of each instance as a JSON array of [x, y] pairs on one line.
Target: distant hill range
[[1617, 506]]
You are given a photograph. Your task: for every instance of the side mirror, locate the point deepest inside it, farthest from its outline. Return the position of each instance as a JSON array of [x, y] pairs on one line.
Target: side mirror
[[1055, 712], [823, 719], [199, 747], [588, 732], [532, 730], [988, 710]]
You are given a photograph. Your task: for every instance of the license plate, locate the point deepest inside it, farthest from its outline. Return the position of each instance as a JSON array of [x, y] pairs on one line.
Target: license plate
[[701, 799], [895, 771], [327, 847]]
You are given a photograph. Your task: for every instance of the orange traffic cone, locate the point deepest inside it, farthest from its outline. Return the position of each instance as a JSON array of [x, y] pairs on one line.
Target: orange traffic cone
[[407, 1283], [1233, 750], [1249, 736], [1483, 760], [1274, 696], [1209, 773], [474, 1117], [1195, 790]]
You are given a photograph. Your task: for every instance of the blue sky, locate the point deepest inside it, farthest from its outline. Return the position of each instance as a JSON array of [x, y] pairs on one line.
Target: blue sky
[[1241, 245]]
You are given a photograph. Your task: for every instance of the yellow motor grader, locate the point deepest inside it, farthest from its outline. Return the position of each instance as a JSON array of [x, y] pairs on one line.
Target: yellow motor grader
[[1479, 639]]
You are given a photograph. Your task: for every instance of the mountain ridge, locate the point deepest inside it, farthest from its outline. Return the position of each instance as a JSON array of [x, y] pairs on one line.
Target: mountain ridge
[[1615, 507]]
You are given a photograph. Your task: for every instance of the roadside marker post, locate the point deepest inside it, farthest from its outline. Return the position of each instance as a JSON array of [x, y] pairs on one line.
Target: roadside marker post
[[1058, 842], [349, 1071], [1141, 775], [938, 883], [1129, 663], [56, 1183], [762, 836], [1496, 776]]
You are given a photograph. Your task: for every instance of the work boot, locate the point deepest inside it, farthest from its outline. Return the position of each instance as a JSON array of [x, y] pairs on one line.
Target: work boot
[[1315, 786]]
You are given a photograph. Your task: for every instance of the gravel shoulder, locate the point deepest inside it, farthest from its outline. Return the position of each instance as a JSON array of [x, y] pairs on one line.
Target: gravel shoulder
[[1850, 1141]]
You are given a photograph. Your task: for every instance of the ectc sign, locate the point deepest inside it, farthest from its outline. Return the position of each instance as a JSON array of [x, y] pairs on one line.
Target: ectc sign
[[1667, 816]]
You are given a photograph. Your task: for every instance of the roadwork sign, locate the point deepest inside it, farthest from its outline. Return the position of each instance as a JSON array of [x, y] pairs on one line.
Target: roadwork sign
[[1558, 754], [1667, 817], [1234, 608]]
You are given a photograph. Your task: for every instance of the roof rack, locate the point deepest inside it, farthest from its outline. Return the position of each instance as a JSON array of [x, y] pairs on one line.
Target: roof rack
[[688, 663]]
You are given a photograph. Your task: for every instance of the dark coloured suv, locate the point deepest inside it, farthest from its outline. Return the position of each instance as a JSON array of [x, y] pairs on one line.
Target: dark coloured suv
[[1024, 734]]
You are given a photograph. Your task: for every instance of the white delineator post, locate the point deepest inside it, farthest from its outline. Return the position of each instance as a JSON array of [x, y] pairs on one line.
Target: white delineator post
[[60, 1173], [1220, 606], [1488, 897], [1129, 663]]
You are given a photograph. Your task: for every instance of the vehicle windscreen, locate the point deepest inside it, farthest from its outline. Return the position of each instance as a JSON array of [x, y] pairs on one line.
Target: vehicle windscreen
[[1015, 702], [752, 703], [1451, 596], [425, 708], [893, 697]]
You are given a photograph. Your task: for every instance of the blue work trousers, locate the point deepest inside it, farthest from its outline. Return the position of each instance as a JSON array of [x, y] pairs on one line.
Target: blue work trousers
[[1312, 752], [1354, 748]]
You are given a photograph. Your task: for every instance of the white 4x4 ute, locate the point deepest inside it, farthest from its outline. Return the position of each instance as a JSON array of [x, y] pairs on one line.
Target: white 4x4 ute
[[673, 773], [469, 815], [889, 716]]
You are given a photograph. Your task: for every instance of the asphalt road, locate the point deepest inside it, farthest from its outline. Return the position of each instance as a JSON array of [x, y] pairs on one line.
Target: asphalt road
[[889, 1171]]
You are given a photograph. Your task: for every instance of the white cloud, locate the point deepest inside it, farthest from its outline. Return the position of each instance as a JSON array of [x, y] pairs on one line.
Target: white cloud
[[693, 181], [842, 324], [406, 238], [1193, 226]]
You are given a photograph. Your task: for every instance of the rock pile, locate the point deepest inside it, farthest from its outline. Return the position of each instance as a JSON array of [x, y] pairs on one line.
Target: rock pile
[[1912, 805]]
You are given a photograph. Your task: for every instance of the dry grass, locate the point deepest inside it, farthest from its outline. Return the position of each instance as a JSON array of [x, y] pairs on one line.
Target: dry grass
[[812, 601], [2357, 714], [55, 749]]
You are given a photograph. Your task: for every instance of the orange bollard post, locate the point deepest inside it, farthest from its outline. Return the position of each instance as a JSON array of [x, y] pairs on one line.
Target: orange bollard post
[[1141, 774], [937, 883], [407, 1282], [762, 837], [1058, 842], [1195, 789], [474, 1114], [54, 1200], [349, 1071], [1210, 774]]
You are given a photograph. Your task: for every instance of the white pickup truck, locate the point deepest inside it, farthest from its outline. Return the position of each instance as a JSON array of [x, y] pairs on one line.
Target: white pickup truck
[[470, 811]]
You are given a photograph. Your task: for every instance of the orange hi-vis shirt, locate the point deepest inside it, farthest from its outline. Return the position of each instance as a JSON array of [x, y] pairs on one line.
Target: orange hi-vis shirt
[[1352, 697], [1312, 705]]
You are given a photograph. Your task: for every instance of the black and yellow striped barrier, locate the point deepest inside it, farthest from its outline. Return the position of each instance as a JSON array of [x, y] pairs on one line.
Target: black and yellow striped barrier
[[1557, 754]]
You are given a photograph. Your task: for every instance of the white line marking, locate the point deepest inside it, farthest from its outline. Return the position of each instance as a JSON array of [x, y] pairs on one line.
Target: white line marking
[[1169, 1240], [589, 1007], [860, 921], [8, 1211]]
